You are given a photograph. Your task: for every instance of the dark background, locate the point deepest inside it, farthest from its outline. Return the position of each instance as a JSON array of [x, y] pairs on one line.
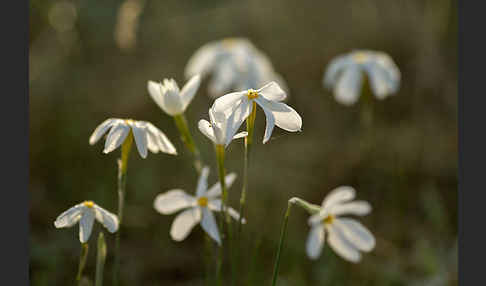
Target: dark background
[[89, 61]]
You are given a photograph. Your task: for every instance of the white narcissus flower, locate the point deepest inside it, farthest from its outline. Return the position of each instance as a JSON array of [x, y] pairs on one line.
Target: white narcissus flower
[[85, 213], [222, 128], [235, 64], [345, 75], [168, 96], [146, 135], [347, 237], [197, 209], [269, 98]]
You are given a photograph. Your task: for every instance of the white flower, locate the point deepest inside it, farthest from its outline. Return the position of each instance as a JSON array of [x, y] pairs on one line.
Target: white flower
[[197, 209], [86, 212], [345, 75], [222, 129], [146, 135], [169, 98], [345, 236], [269, 98], [235, 63]]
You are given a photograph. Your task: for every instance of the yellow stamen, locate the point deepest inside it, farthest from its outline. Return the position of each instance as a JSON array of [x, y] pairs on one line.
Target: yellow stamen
[[360, 57], [129, 121], [228, 42], [202, 201], [88, 204], [328, 220], [252, 94]]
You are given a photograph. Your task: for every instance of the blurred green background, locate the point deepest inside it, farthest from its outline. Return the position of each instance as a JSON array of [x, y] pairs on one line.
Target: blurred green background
[[90, 60]]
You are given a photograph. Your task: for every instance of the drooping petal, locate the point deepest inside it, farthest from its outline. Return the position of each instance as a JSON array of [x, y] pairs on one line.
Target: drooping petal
[[101, 129], [338, 195], [206, 129], [106, 218], [335, 69], [359, 208], [215, 190], [203, 60], [202, 183], [216, 204], [270, 124], [155, 92], [348, 87], [69, 217], [315, 241], [355, 233], [228, 101], [117, 135], [219, 121], [209, 225], [384, 77], [234, 121], [285, 116], [157, 139], [184, 223], [173, 201], [272, 92], [338, 242], [241, 134], [140, 135], [86, 224], [189, 90]]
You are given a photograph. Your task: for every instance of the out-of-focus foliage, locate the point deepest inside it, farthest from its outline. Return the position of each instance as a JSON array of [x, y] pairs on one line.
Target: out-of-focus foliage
[[91, 59]]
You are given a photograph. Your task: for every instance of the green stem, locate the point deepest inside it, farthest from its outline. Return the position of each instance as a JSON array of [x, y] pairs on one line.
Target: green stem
[[219, 149], [100, 259], [186, 137], [122, 179], [82, 261], [280, 245]]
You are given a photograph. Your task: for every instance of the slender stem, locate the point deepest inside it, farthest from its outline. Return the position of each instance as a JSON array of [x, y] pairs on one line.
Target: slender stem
[[100, 259], [186, 137], [82, 261], [219, 149], [122, 179], [283, 233]]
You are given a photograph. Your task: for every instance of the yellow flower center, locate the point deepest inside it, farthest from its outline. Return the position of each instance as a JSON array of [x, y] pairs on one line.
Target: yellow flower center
[[129, 121], [228, 42], [252, 94], [360, 57], [202, 201], [88, 204], [328, 220]]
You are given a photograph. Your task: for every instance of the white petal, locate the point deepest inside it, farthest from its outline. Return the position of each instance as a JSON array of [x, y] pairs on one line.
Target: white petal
[[239, 115], [152, 140], [240, 135], [272, 91], [173, 201], [285, 116], [206, 129], [189, 90], [69, 217], [116, 137], [339, 195], [359, 208], [184, 223], [215, 205], [219, 121], [86, 224], [202, 184], [140, 136], [209, 225], [348, 87], [215, 190], [270, 124], [107, 219], [203, 60], [155, 92], [226, 74], [315, 241], [228, 101], [338, 242], [355, 233], [158, 137], [101, 129], [383, 81], [334, 70]]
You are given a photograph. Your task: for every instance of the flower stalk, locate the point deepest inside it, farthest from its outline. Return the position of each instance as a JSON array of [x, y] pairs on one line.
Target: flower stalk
[[219, 149], [82, 261], [181, 123], [122, 178], [283, 234], [100, 259]]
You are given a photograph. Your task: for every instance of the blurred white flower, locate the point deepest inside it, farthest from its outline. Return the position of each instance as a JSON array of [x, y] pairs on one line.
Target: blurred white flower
[[146, 135], [86, 212], [235, 64], [221, 130], [198, 209], [345, 75], [168, 96], [269, 98], [345, 236]]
